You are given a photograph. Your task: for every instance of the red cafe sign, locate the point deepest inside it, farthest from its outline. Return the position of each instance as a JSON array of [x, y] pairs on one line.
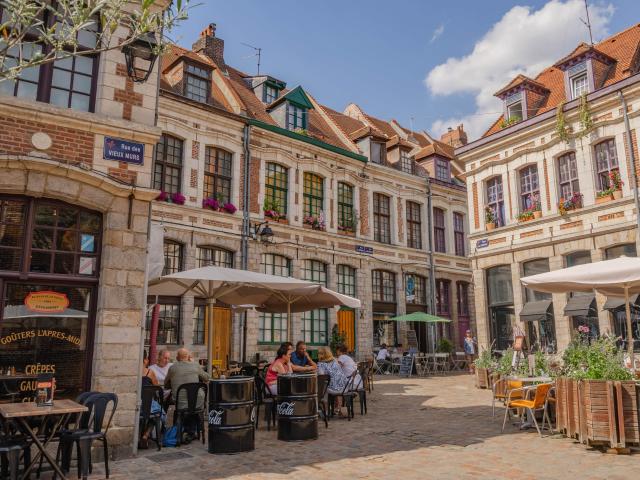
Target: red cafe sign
[[46, 301]]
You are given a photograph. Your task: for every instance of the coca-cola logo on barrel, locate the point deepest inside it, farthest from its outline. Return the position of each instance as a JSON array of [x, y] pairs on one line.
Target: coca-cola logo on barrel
[[286, 408], [215, 417]]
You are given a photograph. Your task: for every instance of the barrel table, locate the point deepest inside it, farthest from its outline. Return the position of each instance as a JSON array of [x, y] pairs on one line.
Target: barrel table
[[297, 407], [231, 415]]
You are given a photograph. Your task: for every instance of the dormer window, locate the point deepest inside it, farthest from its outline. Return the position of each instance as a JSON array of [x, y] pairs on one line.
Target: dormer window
[[196, 83], [514, 112], [443, 171], [296, 117], [378, 152], [579, 85], [269, 94], [406, 162]]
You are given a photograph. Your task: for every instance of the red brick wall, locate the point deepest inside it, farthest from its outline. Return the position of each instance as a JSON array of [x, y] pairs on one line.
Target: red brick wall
[[68, 144], [634, 143], [475, 207], [400, 222], [254, 184], [195, 149], [546, 184], [364, 211], [127, 97]]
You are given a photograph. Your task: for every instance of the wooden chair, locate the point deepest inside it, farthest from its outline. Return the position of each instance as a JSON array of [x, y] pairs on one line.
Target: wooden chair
[[538, 403]]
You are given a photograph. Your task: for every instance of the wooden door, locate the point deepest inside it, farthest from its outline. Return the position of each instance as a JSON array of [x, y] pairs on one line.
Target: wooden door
[[347, 326], [221, 336]]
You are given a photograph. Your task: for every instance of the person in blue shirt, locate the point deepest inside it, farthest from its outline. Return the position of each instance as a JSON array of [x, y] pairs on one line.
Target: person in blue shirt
[[300, 359]]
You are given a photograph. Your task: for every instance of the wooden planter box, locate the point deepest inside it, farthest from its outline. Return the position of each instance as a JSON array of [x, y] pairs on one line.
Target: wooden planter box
[[482, 378], [346, 233], [604, 199]]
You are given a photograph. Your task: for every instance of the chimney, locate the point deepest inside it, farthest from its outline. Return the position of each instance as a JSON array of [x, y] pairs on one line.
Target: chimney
[[456, 138], [210, 45]]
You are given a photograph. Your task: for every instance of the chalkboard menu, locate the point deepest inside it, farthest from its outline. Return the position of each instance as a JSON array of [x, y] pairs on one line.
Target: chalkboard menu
[[412, 339], [406, 365]]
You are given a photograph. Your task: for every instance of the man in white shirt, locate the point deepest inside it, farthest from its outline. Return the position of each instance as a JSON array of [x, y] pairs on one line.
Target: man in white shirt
[[161, 368], [383, 359]]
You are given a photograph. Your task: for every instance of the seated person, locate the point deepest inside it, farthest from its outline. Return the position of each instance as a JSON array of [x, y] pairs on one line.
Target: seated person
[[383, 359], [300, 359], [149, 379], [348, 365], [281, 365], [161, 368], [181, 372], [327, 365]]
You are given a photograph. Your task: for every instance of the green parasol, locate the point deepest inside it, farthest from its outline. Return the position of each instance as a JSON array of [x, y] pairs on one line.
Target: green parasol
[[420, 317]]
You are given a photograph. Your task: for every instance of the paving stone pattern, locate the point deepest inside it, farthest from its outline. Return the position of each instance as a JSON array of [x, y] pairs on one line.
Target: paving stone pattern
[[422, 428]]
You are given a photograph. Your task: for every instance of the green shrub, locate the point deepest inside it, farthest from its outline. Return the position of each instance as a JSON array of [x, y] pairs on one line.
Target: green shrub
[[444, 346], [485, 360], [599, 359]]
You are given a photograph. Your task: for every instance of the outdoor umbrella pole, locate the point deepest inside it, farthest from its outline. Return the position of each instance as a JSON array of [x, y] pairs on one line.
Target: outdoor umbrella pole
[[629, 326], [210, 338]]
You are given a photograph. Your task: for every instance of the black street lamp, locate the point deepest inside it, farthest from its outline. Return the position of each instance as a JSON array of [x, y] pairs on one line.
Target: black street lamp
[[140, 56], [262, 232]]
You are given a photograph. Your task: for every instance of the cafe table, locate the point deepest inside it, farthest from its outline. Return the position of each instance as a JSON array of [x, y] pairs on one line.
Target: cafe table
[[22, 412]]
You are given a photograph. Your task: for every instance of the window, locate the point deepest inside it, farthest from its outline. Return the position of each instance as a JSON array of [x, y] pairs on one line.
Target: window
[[415, 289], [13, 216], [276, 187], [296, 117], [439, 233], [578, 258], [514, 112], [346, 280], [406, 162], [167, 169], [579, 85], [499, 286], [443, 298], [627, 250], [541, 332], [313, 195], [568, 176], [68, 82], [315, 271], [529, 188], [272, 327], [378, 152], [65, 240], [463, 298], [172, 257], [606, 162], [458, 233], [214, 256], [168, 322], [199, 320], [196, 85], [443, 170], [384, 286], [269, 93], [315, 326], [414, 225], [346, 218], [217, 174], [495, 199], [534, 267], [273, 264], [500, 303], [381, 218]]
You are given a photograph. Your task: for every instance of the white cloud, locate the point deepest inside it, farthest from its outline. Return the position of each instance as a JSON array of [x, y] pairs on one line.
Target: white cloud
[[437, 32], [523, 41]]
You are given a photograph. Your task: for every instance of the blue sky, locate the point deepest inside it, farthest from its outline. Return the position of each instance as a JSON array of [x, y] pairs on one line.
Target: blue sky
[[379, 53]]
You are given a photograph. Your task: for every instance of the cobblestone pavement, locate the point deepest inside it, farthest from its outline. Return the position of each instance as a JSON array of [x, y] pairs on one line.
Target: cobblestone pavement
[[416, 428]]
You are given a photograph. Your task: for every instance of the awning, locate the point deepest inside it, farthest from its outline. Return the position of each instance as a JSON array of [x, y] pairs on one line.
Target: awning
[[614, 303], [580, 305], [535, 311]]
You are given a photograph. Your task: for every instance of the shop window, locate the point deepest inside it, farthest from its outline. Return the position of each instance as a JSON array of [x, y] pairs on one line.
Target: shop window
[[415, 289], [199, 319], [541, 332], [167, 168], [313, 195], [276, 188], [217, 257], [500, 303], [381, 218], [169, 322], [439, 232], [13, 215], [414, 225], [346, 280], [315, 326], [172, 257], [217, 174]]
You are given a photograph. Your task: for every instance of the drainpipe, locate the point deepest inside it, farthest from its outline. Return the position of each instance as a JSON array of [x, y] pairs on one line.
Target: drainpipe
[[632, 155], [246, 137], [432, 268]]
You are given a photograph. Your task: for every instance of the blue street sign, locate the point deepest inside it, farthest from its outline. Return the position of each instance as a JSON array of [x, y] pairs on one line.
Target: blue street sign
[[482, 243], [123, 151], [363, 249]]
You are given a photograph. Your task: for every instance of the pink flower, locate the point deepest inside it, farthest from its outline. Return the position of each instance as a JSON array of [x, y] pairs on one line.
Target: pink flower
[[163, 197], [178, 198], [211, 203], [229, 208]]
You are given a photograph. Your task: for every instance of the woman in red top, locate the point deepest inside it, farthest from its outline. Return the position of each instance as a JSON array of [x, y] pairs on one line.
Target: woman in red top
[[281, 365]]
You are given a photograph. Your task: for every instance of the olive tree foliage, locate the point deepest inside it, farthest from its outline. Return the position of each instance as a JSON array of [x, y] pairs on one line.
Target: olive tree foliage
[[26, 40]]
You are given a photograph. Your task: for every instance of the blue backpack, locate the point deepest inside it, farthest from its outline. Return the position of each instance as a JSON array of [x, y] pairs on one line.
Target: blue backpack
[[170, 437]]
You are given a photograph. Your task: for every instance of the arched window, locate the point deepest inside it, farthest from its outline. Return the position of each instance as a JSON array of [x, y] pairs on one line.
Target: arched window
[[217, 257], [167, 168], [568, 183], [495, 199], [606, 162], [529, 188], [627, 250], [346, 218], [217, 174], [276, 184]]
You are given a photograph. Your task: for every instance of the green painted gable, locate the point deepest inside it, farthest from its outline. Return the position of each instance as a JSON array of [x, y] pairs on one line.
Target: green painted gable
[[296, 96]]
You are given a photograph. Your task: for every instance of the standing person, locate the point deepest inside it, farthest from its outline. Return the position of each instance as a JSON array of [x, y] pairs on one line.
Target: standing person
[[348, 365], [300, 359], [470, 349], [383, 359], [281, 365], [161, 368]]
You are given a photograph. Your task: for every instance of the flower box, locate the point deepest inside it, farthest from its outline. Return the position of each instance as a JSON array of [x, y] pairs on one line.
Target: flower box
[[177, 198], [537, 214], [491, 226], [482, 378], [617, 194], [347, 233], [216, 206], [604, 198], [312, 227]]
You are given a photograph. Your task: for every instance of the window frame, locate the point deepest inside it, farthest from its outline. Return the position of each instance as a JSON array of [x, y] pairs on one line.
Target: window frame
[[217, 254], [296, 117], [443, 297], [346, 211], [458, 234], [272, 268], [176, 305], [462, 299], [273, 189], [346, 280], [406, 162], [442, 169], [218, 174], [510, 107], [414, 224], [266, 97], [605, 151], [420, 289], [162, 165], [383, 282], [172, 255], [199, 320], [315, 271], [272, 323], [313, 194], [568, 178], [315, 326], [495, 184], [578, 90], [193, 74], [381, 218], [529, 184], [439, 230], [381, 158]]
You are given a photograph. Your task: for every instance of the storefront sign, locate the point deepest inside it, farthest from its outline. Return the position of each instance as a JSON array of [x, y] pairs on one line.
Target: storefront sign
[[123, 151], [46, 302], [410, 289], [363, 249], [482, 243]]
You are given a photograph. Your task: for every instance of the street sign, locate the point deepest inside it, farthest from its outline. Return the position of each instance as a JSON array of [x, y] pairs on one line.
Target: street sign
[[482, 243], [123, 151], [363, 249]]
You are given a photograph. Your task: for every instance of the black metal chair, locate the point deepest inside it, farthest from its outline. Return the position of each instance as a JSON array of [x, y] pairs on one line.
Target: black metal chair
[[347, 396], [249, 371], [192, 409], [362, 388], [264, 397], [147, 418], [12, 443], [99, 406], [323, 385]]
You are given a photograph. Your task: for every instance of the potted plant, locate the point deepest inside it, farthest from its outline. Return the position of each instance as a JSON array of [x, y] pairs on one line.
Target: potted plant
[[536, 207], [489, 218], [572, 203], [484, 364], [604, 196], [525, 216], [211, 203], [349, 225], [314, 222], [272, 210], [616, 184]]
